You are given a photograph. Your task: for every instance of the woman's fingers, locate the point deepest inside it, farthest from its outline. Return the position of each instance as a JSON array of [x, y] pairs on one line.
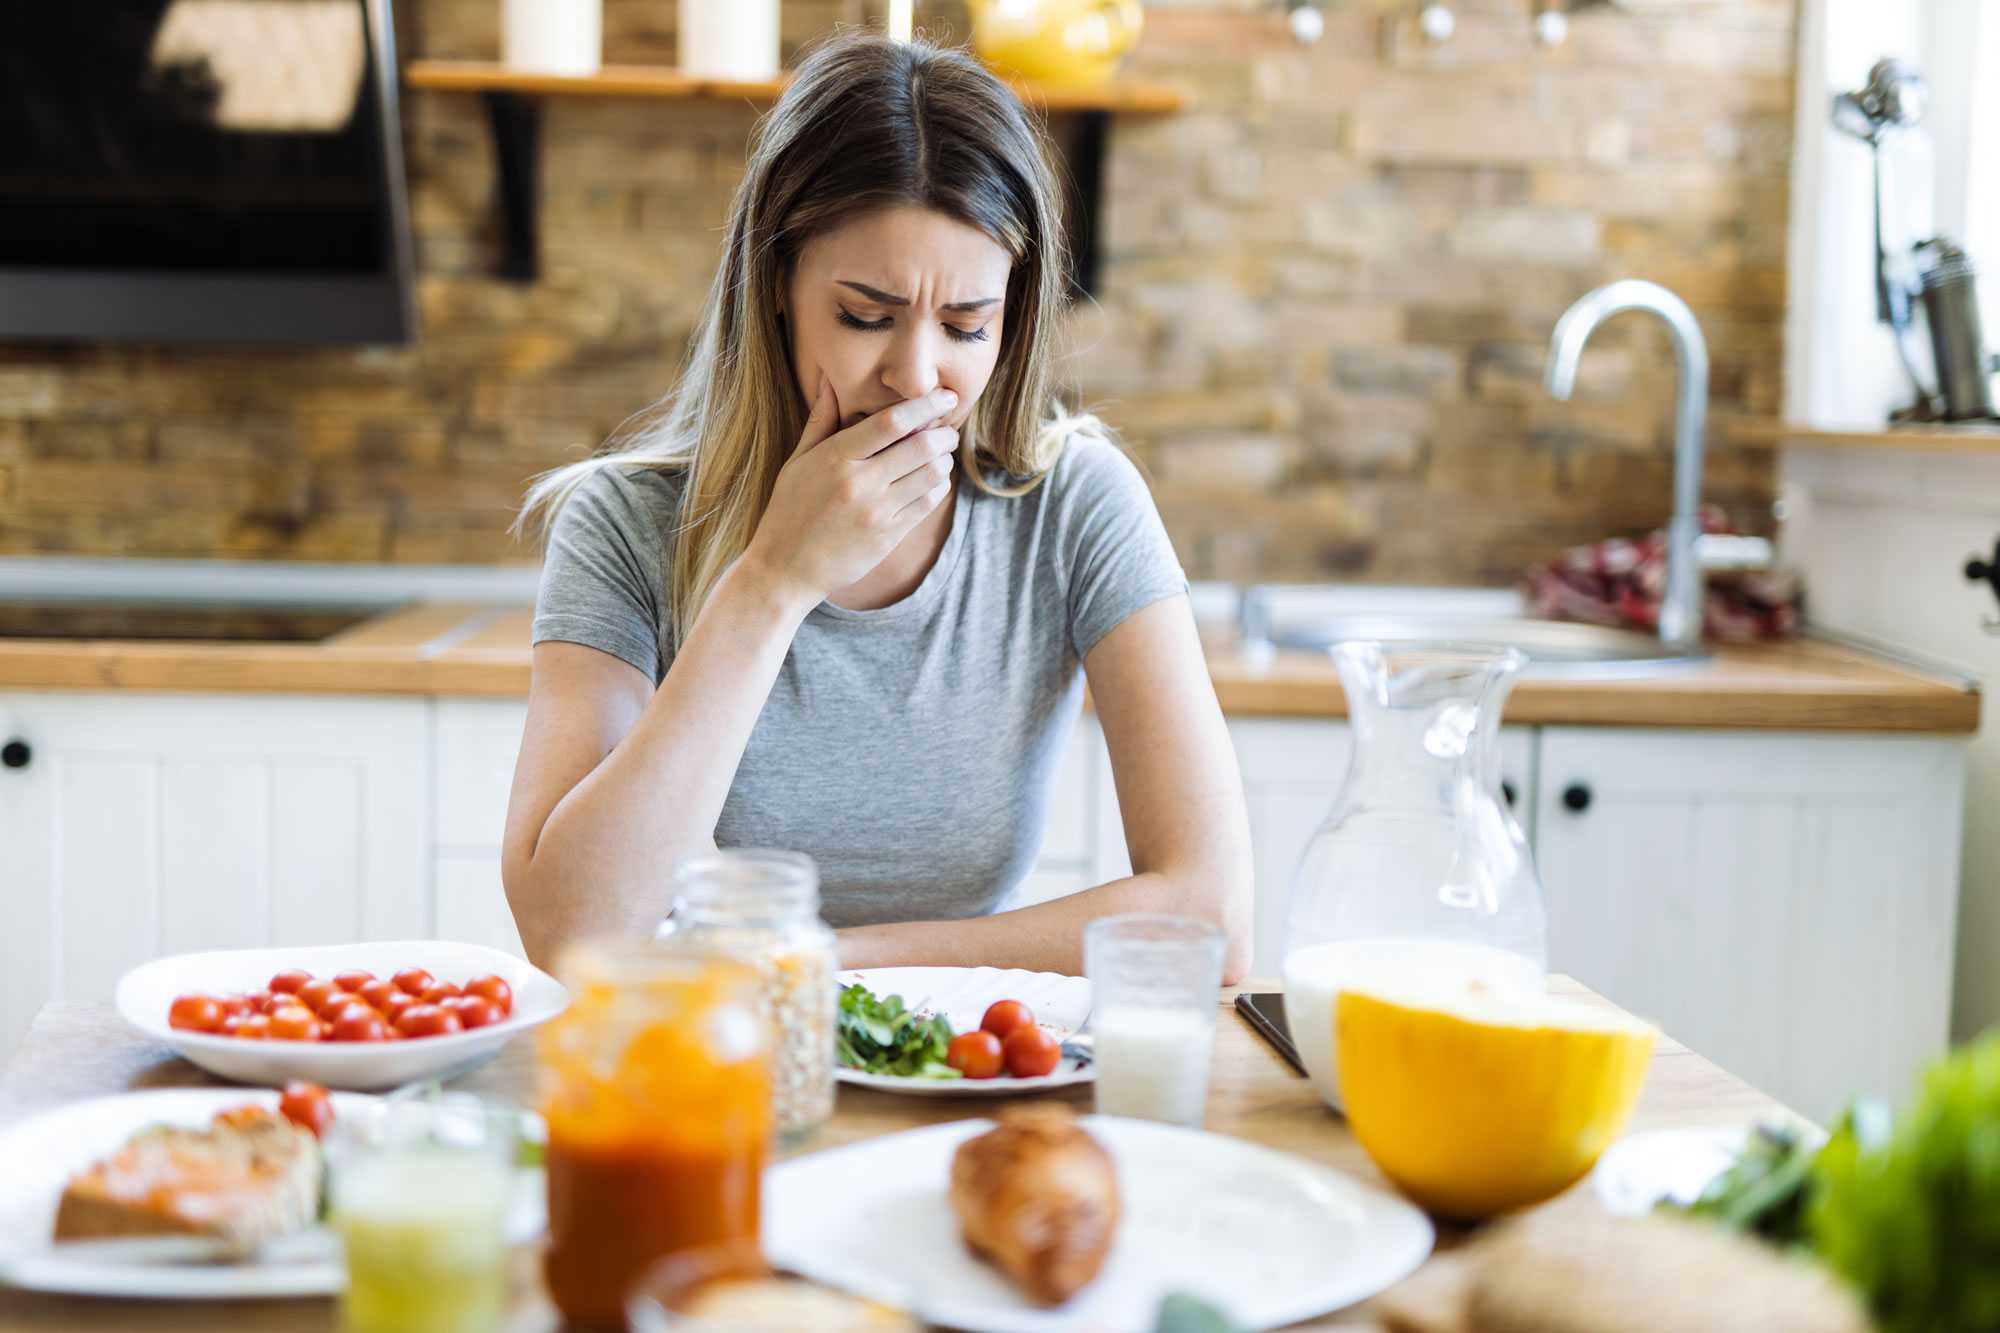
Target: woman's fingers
[[823, 420], [912, 513], [902, 458], [929, 471], [870, 437]]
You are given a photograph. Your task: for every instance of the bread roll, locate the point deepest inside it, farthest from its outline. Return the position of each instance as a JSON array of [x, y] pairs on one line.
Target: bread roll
[[1038, 1198]]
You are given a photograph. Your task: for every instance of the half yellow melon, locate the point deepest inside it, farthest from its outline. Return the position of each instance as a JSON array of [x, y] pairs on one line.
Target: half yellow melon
[[1476, 1102]]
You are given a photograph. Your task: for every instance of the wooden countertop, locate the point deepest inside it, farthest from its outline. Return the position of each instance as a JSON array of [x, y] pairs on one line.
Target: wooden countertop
[[75, 1051], [437, 649]]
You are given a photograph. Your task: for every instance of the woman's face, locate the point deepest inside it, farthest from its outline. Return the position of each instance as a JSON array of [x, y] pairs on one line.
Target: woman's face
[[894, 304]]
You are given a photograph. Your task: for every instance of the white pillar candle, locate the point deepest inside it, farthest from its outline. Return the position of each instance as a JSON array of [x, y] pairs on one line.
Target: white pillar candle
[[553, 36], [729, 39], [902, 15]]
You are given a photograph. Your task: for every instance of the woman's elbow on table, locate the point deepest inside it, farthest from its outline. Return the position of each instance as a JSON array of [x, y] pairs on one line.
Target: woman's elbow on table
[[1220, 892]]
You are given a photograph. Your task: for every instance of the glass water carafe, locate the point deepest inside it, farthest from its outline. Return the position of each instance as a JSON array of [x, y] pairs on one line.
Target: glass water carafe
[[1419, 871]]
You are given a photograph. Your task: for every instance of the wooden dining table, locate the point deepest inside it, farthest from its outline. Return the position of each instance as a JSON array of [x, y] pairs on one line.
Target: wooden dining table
[[78, 1051]]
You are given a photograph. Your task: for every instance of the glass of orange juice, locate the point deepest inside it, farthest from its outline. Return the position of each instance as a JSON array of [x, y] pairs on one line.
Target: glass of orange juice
[[656, 1086]]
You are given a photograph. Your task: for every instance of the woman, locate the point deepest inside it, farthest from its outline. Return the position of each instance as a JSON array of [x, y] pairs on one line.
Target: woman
[[843, 596]]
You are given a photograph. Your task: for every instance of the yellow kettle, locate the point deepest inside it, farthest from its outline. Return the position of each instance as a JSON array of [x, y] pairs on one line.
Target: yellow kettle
[[1070, 42]]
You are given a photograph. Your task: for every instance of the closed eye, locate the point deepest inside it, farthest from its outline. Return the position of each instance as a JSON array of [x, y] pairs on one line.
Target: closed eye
[[952, 331]]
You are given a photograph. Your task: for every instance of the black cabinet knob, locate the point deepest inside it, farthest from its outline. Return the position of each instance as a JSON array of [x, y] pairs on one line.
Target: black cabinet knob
[[16, 754], [1512, 793], [1576, 798]]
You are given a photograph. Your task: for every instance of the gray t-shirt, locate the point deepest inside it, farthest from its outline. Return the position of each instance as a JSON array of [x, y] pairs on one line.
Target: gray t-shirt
[[907, 750]]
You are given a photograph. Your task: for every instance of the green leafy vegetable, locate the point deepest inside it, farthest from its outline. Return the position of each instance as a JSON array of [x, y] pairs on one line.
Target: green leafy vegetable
[[1912, 1217], [882, 1037], [1764, 1192]]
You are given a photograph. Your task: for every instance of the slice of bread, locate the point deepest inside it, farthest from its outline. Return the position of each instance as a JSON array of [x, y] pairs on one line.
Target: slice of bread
[[246, 1180]]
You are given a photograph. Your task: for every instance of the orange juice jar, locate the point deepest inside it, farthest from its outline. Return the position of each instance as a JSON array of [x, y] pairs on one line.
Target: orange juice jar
[[657, 1090]]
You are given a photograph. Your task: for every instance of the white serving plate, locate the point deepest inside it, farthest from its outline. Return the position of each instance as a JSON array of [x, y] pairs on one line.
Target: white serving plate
[[1266, 1237], [39, 1155], [146, 992], [962, 994], [1669, 1165]]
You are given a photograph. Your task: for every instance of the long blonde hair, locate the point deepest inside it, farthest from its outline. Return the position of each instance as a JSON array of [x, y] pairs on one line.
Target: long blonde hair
[[866, 123]]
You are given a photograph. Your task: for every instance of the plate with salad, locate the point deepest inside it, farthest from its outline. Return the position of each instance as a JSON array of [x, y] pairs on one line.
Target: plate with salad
[[957, 1031]]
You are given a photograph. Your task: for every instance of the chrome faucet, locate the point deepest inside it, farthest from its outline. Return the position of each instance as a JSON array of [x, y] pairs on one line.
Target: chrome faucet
[[1680, 612]]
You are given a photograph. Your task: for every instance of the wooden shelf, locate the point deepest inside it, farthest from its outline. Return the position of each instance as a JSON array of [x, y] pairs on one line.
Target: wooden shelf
[[475, 76], [513, 106], [1930, 437]]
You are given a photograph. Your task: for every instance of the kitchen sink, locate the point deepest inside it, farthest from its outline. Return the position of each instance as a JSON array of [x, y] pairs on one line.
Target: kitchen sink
[[1553, 647]]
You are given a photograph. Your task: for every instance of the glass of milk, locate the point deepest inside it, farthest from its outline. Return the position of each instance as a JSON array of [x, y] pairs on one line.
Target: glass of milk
[[1155, 984]]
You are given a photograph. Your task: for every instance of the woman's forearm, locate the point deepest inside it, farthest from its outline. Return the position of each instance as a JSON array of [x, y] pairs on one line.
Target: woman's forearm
[[601, 861], [1048, 937]]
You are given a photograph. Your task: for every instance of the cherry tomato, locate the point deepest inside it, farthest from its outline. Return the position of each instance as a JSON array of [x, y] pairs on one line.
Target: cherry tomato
[[375, 994], [195, 1013], [353, 980], [1031, 1052], [288, 983], [398, 1004], [476, 1011], [974, 1054], [294, 1022], [337, 1003], [414, 981], [233, 1006], [307, 1106], [439, 991], [1003, 1016], [359, 1023], [495, 989], [257, 1027], [230, 1022], [258, 1000], [315, 993], [427, 1020]]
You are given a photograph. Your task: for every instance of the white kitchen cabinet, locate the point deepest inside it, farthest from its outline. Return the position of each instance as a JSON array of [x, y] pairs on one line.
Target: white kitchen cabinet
[[1783, 903], [146, 824]]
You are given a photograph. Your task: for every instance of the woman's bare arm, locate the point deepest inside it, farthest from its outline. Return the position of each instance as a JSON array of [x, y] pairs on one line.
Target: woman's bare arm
[[617, 780], [1181, 798]]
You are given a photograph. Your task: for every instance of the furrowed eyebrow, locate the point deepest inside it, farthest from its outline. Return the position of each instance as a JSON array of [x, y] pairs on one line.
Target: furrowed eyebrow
[[881, 297]]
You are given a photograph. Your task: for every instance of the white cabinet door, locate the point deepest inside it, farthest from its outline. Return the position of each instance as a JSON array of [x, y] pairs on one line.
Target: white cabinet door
[[146, 824], [1781, 902], [477, 743]]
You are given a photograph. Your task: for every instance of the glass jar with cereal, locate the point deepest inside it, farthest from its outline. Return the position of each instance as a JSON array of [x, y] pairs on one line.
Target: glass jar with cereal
[[763, 907]]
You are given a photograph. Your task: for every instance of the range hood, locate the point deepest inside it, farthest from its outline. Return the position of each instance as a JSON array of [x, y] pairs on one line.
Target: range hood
[[203, 170]]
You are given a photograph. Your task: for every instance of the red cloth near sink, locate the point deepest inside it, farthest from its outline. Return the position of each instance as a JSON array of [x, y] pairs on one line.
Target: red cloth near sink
[[1621, 582]]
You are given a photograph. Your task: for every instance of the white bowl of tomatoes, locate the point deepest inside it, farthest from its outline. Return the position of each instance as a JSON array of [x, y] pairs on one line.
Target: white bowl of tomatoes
[[355, 1016]]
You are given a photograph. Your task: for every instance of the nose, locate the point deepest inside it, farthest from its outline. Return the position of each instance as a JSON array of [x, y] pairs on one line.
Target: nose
[[910, 370]]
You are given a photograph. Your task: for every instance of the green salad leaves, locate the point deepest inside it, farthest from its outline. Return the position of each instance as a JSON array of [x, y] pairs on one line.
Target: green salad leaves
[[1909, 1213], [1914, 1221], [882, 1037]]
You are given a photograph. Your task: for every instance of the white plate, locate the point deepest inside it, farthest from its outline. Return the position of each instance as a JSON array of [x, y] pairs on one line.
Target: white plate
[[39, 1155], [1667, 1164], [1268, 1238], [961, 994], [146, 993]]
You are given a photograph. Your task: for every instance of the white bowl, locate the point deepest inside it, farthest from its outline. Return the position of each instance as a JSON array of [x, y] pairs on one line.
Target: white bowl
[[146, 993]]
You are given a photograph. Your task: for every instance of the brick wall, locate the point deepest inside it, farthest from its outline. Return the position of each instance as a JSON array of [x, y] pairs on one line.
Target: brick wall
[[1326, 295]]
